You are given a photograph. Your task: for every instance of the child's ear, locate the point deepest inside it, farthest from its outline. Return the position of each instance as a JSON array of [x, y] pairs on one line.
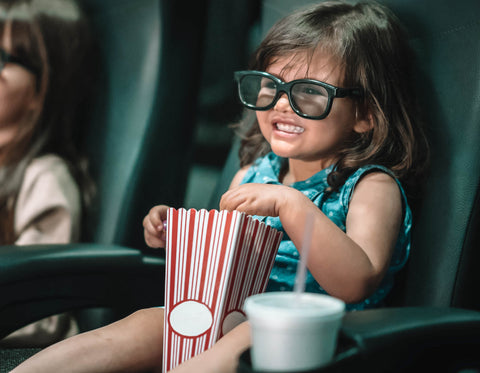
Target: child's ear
[[36, 102], [364, 123]]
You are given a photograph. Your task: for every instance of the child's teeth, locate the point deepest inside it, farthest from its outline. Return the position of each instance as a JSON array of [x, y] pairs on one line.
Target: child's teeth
[[289, 128]]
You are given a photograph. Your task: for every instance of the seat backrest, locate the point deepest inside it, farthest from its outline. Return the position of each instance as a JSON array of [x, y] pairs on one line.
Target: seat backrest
[[445, 35], [150, 53]]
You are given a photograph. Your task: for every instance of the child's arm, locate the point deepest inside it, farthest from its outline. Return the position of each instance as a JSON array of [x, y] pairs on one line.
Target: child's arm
[[347, 265], [237, 179]]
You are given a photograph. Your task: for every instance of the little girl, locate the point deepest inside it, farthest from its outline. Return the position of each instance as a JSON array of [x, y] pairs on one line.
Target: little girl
[[44, 77], [336, 136]]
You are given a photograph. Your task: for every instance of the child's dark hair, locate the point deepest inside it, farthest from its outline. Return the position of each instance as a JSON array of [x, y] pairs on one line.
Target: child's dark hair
[[369, 42], [52, 36]]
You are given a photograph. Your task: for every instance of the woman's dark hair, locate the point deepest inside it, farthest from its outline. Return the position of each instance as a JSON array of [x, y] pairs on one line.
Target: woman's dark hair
[[372, 47], [54, 37]]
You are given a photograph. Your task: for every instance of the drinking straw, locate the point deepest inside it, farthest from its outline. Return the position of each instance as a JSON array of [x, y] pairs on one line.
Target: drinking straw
[[300, 278]]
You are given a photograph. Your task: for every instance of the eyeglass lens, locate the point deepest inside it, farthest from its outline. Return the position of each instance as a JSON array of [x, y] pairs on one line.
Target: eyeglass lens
[[260, 92]]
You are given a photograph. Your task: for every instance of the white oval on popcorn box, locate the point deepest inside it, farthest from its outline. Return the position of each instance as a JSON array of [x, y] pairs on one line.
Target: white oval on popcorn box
[[191, 318]]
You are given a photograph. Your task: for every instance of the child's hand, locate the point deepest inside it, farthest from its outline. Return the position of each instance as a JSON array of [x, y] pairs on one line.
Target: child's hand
[[154, 229], [257, 199]]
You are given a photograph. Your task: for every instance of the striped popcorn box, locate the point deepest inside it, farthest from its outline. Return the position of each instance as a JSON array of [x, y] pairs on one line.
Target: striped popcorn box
[[215, 260]]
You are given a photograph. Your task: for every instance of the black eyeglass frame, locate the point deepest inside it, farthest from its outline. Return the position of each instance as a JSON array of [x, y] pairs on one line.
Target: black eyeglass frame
[[286, 87], [6, 57]]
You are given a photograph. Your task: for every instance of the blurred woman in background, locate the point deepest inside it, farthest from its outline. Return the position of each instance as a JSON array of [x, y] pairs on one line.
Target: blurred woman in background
[[45, 77]]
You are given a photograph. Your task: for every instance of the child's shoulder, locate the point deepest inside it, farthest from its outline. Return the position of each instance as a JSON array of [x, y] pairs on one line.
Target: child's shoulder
[[373, 177], [370, 172]]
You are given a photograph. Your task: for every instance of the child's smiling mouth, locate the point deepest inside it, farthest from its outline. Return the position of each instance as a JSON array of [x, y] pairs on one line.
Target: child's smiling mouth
[[289, 128]]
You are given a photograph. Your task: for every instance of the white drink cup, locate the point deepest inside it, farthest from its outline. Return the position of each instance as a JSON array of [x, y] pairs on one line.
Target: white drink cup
[[293, 331]]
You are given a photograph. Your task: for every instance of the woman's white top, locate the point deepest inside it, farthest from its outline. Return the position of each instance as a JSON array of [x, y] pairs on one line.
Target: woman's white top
[[48, 207]]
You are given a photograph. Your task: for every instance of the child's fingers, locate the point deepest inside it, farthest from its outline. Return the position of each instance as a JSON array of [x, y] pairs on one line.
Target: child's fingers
[[230, 200], [153, 236], [155, 216], [154, 229], [225, 201], [150, 228], [154, 241]]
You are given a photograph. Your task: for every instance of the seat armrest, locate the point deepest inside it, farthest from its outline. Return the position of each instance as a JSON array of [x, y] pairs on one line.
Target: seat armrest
[[402, 340], [42, 280], [412, 336]]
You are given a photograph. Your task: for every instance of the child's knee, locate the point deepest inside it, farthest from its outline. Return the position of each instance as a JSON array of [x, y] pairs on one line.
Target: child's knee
[[148, 318]]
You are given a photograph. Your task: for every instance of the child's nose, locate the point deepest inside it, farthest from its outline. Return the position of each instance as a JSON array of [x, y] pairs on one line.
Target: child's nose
[[283, 105]]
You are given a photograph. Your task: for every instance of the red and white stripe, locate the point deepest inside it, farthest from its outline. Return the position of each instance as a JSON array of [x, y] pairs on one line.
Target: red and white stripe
[[216, 259]]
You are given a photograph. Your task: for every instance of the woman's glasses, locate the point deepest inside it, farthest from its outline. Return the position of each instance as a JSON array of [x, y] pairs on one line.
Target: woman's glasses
[[6, 57], [309, 98]]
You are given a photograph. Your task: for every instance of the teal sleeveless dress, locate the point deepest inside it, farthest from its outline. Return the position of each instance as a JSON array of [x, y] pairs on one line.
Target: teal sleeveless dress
[[334, 205]]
